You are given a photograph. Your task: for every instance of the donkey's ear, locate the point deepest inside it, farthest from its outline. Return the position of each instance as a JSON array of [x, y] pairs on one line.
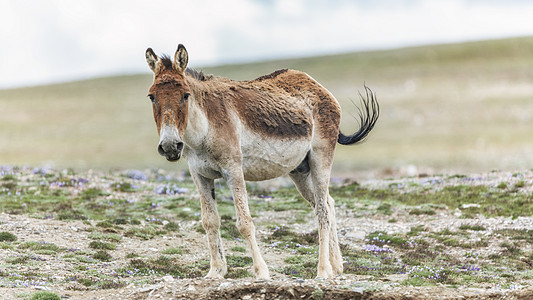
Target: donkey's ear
[[181, 58], [152, 59]]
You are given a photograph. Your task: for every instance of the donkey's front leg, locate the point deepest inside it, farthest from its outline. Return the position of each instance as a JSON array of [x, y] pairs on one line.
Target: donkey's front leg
[[211, 224], [245, 224]]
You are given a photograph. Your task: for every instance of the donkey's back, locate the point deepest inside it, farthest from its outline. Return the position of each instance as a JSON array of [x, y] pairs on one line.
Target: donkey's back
[[281, 117]]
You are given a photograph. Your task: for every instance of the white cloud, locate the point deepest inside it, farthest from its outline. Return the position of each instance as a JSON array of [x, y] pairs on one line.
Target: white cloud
[[46, 41]]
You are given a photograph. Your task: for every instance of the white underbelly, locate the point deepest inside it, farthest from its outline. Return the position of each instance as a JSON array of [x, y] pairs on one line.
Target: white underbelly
[[267, 158]]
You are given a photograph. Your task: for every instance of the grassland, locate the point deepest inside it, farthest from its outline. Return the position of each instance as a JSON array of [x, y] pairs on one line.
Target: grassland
[[98, 234], [461, 107]]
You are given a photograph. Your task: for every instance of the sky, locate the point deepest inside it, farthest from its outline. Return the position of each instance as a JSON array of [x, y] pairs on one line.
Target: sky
[[52, 41]]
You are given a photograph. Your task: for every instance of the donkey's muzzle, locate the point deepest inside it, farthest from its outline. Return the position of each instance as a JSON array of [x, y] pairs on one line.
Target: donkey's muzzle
[[171, 150]]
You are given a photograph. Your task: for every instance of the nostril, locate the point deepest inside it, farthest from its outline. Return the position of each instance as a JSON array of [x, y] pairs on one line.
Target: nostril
[[179, 146], [160, 149]]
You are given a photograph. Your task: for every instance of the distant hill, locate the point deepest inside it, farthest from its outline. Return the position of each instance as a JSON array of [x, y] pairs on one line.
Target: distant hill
[[457, 107]]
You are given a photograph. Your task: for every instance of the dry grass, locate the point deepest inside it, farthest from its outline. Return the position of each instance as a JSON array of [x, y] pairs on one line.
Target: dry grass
[[463, 107]]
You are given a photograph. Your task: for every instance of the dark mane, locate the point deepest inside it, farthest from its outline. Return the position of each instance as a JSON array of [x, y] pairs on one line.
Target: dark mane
[[198, 75], [271, 75], [166, 61]]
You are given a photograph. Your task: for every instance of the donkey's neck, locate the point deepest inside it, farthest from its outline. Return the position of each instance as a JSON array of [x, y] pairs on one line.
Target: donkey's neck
[[197, 124]]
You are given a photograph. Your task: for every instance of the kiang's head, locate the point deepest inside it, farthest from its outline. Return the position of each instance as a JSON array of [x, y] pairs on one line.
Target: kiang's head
[[169, 94]]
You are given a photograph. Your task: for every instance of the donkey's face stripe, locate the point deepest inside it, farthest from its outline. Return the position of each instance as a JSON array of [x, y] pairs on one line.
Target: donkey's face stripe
[[281, 123]]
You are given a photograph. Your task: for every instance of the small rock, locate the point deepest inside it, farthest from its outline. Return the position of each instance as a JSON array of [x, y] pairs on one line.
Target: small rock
[[224, 285], [358, 235], [191, 288], [168, 278], [150, 288], [470, 205], [291, 292], [396, 277], [74, 228]]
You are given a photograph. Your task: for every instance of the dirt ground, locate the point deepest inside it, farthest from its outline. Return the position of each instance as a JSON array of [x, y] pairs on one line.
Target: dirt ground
[[74, 234]]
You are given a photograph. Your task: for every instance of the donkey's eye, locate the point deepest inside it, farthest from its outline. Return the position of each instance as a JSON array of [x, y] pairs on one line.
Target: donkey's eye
[[185, 97], [152, 98]]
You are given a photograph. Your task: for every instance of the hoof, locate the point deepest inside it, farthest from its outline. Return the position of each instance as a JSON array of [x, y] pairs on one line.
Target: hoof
[[325, 271], [261, 270], [337, 270], [263, 276]]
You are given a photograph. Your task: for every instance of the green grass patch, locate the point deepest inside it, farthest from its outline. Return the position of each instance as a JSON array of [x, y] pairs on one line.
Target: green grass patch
[[126, 187], [415, 231], [491, 202], [173, 251], [235, 273], [102, 245], [502, 185], [171, 226], [472, 227], [303, 266], [147, 232], [422, 211], [284, 238], [385, 208], [112, 237], [24, 259], [229, 231], [92, 193], [517, 234], [164, 265], [40, 247], [234, 261], [238, 249], [375, 262], [6, 236], [132, 255], [381, 238], [6, 246], [511, 249], [102, 256], [520, 184], [93, 283], [44, 295]]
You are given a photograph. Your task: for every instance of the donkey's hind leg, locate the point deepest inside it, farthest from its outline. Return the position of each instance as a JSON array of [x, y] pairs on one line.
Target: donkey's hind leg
[[306, 185], [335, 255], [211, 224]]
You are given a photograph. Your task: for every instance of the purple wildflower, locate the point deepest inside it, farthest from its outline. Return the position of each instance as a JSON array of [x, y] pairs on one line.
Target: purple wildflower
[[170, 189], [376, 249], [137, 175]]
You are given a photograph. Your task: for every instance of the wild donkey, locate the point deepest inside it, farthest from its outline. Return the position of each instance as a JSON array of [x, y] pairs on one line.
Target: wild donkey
[[281, 123]]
